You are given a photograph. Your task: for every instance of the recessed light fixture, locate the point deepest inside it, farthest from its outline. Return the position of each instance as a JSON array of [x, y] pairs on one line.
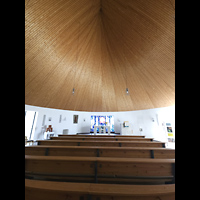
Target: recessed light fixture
[[73, 91], [127, 92], [77, 51]]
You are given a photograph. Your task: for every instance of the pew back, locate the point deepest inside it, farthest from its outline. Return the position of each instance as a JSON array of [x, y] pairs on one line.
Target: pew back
[[101, 143], [100, 169], [123, 152], [50, 190]]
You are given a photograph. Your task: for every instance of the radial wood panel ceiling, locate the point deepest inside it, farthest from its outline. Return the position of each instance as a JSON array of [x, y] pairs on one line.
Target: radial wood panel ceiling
[[100, 47]]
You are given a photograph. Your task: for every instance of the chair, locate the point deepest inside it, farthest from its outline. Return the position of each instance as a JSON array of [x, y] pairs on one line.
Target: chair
[[65, 131]]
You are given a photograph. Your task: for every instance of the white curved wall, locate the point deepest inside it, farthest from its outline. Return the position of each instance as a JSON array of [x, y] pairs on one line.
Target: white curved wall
[[137, 119]]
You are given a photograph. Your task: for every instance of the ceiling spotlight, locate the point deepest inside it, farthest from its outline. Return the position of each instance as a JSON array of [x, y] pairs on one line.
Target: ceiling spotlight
[[127, 92], [73, 91]]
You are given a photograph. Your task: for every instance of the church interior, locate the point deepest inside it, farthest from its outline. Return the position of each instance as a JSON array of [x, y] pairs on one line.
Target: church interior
[[100, 99]]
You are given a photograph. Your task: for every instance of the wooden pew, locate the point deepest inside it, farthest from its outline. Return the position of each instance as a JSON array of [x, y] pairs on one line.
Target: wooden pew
[[100, 169], [120, 152], [101, 143], [102, 138], [51, 190], [72, 135]]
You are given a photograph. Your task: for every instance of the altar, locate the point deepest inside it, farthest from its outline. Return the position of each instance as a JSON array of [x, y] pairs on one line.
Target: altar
[[102, 128]]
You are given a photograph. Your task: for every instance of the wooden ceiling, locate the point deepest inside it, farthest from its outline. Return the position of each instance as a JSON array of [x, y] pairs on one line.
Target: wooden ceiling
[[100, 47]]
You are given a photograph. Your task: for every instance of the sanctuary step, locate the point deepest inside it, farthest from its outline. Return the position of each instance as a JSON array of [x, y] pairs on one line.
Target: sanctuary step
[[102, 138], [101, 135]]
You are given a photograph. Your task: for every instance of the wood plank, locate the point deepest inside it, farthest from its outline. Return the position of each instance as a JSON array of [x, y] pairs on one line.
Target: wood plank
[[50, 190], [122, 42]]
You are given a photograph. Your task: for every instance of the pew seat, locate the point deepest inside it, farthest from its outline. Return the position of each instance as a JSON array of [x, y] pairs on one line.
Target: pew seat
[[40, 190]]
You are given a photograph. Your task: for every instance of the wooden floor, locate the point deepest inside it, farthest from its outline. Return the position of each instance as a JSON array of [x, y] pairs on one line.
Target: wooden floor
[[95, 167]]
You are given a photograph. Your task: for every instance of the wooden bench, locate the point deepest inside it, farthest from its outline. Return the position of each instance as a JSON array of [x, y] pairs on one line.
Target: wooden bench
[[100, 169], [123, 152], [101, 143], [50, 190], [102, 138], [72, 135]]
